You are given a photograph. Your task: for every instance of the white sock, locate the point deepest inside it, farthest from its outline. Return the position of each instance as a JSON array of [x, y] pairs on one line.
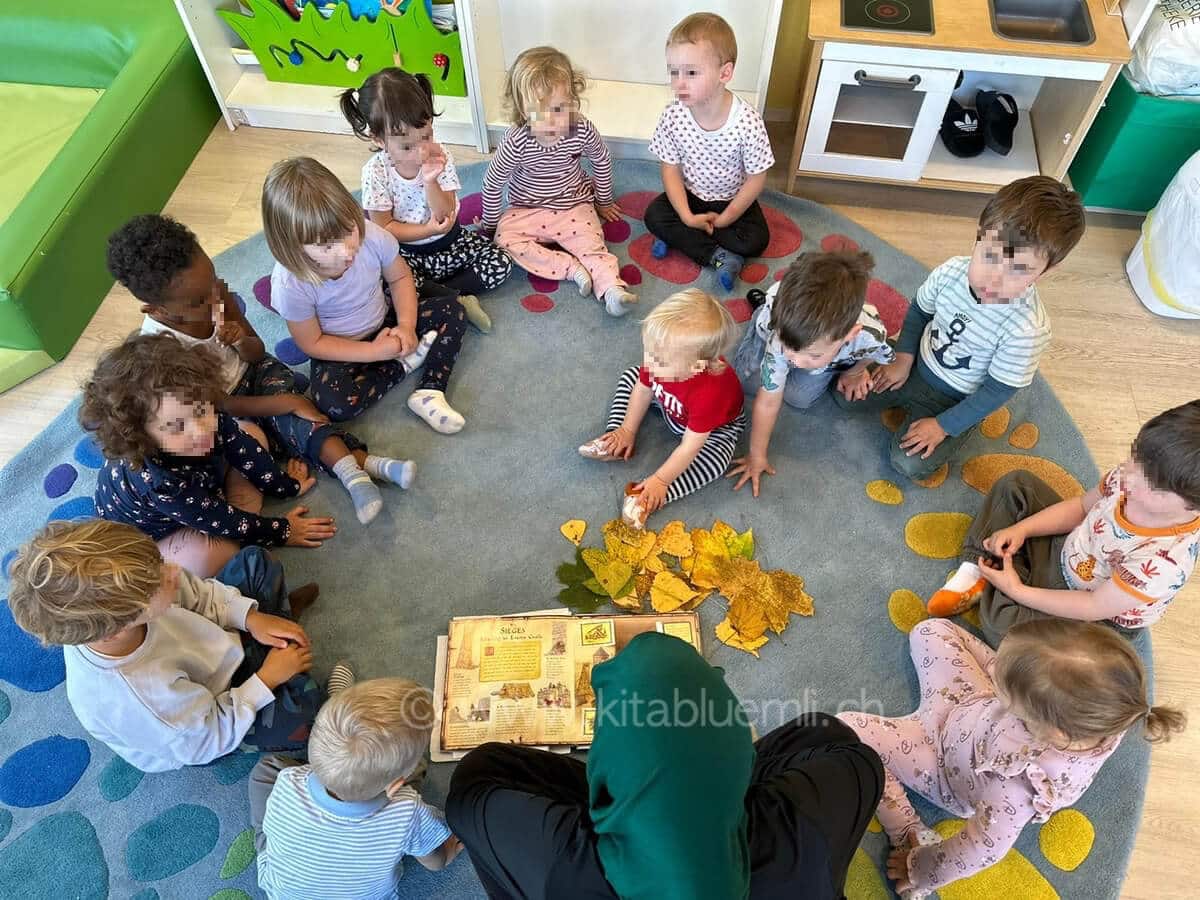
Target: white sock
[[397, 471], [416, 359], [617, 300], [966, 576], [582, 280], [367, 499], [431, 406]]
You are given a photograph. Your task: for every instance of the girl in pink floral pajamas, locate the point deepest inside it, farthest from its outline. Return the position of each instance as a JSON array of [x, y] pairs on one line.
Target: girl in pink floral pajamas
[[1002, 737]]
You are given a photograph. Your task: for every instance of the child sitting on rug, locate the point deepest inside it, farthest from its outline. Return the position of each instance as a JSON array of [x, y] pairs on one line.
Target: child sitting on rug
[[697, 392], [976, 328], [410, 188], [162, 264], [1118, 554], [715, 155], [327, 283], [814, 326], [179, 469], [551, 199], [167, 669], [341, 825], [1002, 739]]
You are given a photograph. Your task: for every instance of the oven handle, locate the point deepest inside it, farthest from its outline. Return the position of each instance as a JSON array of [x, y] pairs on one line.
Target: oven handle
[[903, 84]]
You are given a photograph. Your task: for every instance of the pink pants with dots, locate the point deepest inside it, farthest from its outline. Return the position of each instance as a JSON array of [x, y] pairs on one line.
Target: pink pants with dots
[[524, 232]]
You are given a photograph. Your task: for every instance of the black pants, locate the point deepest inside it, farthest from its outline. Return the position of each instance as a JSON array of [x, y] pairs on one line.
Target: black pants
[[748, 236], [523, 815]]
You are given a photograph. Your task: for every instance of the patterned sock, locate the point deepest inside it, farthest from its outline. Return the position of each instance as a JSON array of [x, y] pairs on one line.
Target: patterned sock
[[475, 314], [582, 280], [431, 406], [416, 359], [396, 471], [960, 593], [341, 676], [367, 499], [617, 300]]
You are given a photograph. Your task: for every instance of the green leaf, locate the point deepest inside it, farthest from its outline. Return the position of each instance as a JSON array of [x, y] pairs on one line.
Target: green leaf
[[579, 599], [742, 545], [611, 572], [595, 587], [241, 854], [573, 573]]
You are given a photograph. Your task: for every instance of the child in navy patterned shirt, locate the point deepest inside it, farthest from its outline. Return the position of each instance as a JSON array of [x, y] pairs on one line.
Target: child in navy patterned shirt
[[180, 470]]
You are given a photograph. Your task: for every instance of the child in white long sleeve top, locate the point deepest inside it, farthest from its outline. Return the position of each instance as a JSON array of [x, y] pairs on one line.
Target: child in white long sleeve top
[[155, 665]]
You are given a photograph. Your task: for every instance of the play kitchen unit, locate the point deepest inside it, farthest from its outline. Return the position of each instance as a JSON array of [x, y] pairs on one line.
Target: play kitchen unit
[[883, 73]]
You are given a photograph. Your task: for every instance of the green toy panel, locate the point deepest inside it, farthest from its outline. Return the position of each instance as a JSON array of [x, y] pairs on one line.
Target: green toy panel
[[41, 119], [342, 51]]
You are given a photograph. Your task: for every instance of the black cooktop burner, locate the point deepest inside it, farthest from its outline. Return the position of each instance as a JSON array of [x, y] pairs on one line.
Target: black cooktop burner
[[889, 15]]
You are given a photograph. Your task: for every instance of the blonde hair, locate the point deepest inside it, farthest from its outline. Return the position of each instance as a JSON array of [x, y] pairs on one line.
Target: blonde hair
[[370, 734], [304, 203], [690, 321], [705, 26], [534, 76], [78, 582], [1080, 679]]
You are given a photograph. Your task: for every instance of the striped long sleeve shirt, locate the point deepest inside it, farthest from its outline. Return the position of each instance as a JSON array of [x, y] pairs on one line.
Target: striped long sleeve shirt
[[547, 177]]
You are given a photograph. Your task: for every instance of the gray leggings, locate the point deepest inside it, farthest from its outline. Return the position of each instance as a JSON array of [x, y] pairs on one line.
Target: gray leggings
[[802, 388]]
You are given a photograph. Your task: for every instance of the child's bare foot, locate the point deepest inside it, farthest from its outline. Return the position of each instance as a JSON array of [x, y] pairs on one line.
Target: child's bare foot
[[303, 597], [582, 280]]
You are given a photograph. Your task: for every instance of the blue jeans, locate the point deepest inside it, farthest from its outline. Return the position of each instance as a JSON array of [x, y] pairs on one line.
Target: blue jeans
[[802, 388]]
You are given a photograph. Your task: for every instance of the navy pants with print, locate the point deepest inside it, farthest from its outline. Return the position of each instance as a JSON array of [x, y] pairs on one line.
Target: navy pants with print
[[284, 724], [343, 390], [462, 260]]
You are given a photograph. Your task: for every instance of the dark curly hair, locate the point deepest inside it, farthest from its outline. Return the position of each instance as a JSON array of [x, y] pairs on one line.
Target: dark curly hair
[[147, 252], [128, 384]]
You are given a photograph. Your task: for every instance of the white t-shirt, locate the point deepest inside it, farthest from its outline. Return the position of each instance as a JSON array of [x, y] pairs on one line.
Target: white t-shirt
[[715, 164], [233, 367], [384, 189]]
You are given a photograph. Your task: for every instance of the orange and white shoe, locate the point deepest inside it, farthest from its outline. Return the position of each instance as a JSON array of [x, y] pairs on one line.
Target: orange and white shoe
[[946, 602]]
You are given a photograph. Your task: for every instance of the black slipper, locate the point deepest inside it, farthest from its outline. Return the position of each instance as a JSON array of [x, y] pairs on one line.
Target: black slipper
[[961, 131], [998, 114]]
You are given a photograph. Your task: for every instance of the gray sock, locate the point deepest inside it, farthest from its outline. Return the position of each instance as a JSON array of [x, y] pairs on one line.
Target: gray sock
[[367, 499], [397, 471]]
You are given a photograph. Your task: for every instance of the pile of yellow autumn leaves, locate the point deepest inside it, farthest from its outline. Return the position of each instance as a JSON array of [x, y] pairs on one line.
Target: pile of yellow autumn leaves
[[676, 570]]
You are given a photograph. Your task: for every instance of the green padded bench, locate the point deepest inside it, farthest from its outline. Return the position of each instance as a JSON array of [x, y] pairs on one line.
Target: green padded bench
[[105, 107]]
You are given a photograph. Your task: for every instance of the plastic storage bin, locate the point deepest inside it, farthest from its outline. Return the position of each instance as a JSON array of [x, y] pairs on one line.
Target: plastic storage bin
[[1134, 148]]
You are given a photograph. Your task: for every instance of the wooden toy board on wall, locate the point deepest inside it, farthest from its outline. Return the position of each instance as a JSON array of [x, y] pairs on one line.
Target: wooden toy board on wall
[[343, 49]]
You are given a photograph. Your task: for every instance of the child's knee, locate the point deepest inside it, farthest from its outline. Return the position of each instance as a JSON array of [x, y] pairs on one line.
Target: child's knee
[[912, 467]]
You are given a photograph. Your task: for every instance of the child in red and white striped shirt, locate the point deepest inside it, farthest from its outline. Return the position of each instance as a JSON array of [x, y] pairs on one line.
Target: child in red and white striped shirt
[[551, 198]]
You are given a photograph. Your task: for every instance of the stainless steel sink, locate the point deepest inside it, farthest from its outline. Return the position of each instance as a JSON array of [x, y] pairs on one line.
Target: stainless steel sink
[[1049, 21]]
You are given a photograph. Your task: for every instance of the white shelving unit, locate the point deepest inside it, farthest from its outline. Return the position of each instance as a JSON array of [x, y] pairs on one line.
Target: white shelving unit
[[627, 87]]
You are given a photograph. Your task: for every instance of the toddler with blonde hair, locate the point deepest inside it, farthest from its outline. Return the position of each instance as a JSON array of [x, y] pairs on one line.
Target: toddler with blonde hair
[[684, 375], [1002, 738], [551, 199], [342, 824]]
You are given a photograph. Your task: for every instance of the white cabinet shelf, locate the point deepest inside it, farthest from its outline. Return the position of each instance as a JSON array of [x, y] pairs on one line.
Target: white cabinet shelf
[[989, 167]]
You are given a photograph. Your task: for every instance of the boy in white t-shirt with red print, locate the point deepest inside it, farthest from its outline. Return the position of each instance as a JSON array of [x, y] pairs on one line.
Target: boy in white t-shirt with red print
[[1118, 554], [715, 155]]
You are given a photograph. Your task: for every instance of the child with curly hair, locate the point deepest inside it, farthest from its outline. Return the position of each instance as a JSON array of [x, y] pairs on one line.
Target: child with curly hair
[[551, 199]]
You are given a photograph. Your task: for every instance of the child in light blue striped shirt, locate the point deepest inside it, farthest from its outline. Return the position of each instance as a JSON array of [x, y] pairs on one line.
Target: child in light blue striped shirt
[[976, 329], [341, 825]]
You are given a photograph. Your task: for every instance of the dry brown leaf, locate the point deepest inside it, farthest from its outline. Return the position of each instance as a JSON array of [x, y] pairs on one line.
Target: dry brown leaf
[[737, 575], [641, 584], [726, 635], [791, 588], [674, 540], [669, 592], [747, 617]]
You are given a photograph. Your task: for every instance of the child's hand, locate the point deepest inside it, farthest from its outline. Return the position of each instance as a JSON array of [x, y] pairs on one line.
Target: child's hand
[[854, 385], [1005, 580], [705, 222], [298, 469], [923, 436], [275, 631], [433, 162], [897, 868], [653, 493], [1006, 541], [619, 442], [440, 226], [751, 468], [386, 346], [282, 663], [407, 336], [609, 212], [228, 333], [307, 532], [893, 375], [306, 409]]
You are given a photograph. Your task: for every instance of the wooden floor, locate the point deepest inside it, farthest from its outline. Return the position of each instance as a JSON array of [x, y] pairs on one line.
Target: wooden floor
[[1111, 363]]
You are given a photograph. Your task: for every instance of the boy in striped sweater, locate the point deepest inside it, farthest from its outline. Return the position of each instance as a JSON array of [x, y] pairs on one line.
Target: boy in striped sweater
[[976, 328]]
